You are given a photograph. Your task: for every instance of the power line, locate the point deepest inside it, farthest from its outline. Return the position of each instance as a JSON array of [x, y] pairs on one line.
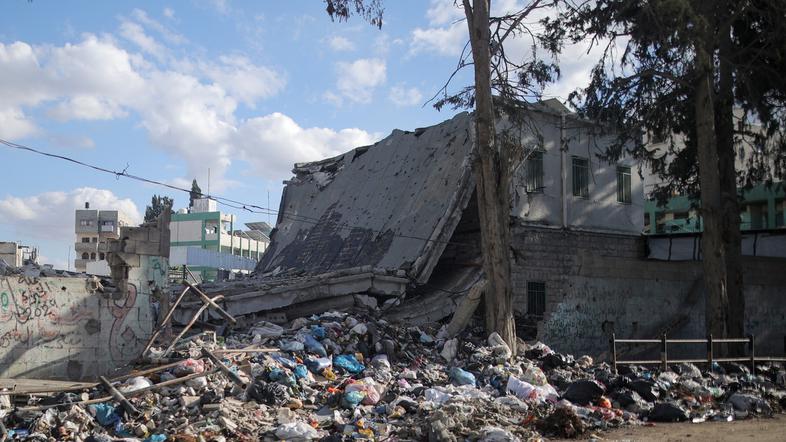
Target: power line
[[249, 207]]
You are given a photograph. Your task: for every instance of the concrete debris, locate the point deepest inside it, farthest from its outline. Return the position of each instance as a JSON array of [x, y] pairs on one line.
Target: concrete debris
[[356, 377]]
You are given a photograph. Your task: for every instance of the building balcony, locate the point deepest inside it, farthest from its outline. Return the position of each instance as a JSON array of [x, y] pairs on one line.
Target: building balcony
[[85, 247]]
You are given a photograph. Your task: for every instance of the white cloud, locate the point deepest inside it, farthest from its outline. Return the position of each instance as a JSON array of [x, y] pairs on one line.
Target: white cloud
[[339, 43], [357, 80], [135, 33], [442, 12], [442, 40], [187, 110], [41, 217], [168, 34], [244, 80], [86, 107], [14, 124], [401, 95], [273, 143]]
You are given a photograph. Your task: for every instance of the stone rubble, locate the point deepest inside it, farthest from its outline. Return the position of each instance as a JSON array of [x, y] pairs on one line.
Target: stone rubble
[[341, 377]]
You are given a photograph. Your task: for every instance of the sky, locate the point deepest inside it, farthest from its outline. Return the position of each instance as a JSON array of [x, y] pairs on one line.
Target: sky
[[235, 90]]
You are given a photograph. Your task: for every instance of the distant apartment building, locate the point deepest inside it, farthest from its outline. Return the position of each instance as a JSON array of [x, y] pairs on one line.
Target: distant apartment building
[[93, 227], [207, 241], [16, 254]]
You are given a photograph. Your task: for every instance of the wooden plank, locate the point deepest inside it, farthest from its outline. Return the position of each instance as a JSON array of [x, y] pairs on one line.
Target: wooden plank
[[212, 303], [231, 374], [127, 406]]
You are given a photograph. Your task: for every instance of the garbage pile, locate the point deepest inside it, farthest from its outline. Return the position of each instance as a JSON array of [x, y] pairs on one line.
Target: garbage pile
[[338, 377]]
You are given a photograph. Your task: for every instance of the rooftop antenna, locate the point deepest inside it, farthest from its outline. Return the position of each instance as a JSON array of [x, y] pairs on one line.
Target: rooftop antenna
[[268, 206], [208, 181]]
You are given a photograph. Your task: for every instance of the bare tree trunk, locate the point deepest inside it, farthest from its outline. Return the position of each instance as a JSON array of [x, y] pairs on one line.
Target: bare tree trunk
[[492, 177], [713, 250], [730, 211]]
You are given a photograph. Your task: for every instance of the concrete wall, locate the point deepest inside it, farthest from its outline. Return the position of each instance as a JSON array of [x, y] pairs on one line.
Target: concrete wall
[[61, 328], [598, 284], [600, 210], [186, 230]]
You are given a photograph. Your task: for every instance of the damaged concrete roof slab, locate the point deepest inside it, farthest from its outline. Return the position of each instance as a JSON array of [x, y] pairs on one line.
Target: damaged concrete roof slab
[[391, 206]]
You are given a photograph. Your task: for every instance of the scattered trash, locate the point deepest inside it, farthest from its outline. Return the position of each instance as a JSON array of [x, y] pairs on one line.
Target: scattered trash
[[337, 377]]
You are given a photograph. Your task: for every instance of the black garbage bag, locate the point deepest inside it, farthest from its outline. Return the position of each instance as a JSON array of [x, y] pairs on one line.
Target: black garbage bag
[[668, 412], [647, 389], [268, 393], [584, 392]]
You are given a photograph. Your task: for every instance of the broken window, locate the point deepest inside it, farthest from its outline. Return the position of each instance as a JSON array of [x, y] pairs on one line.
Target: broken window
[[93, 256], [101, 256], [536, 298], [623, 185], [85, 256], [580, 177], [86, 239], [535, 172]]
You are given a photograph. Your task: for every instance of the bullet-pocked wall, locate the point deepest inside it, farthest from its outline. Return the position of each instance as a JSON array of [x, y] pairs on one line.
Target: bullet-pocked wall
[[597, 284], [63, 328]]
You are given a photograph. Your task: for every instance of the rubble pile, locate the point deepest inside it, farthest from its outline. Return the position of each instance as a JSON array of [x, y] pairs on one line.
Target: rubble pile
[[338, 377]]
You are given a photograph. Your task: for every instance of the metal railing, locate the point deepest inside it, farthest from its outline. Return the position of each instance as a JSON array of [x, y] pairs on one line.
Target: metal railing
[[709, 342]]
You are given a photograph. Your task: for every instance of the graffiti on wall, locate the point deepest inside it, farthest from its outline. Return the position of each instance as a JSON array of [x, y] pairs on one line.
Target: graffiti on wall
[[35, 312]]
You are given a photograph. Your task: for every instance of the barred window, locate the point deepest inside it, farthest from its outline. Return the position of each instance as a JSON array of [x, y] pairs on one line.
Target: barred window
[[623, 185], [536, 298], [535, 172], [580, 177]]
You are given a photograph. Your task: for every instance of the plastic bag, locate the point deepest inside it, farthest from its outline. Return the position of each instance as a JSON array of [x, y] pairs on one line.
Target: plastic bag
[[104, 413], [521, 389], [348, 363], [498, 346], [319, 364], [450, 349], [352, 399], [318, 332], [296, 431], [369, 388], [266, 329], [291, 346], [189, 366], [461, 377], [135, 383], [314, 346], [534, 376], [437, 396]]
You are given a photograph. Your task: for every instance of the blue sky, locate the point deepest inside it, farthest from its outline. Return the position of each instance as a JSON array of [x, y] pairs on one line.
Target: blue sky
[[169, 90]]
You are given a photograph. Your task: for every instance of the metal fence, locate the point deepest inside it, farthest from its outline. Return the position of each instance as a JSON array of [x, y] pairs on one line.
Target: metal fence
[[709, 343]]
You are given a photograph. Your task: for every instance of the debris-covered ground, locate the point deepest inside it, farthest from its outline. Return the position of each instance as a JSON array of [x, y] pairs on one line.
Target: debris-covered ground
[[337, 376]]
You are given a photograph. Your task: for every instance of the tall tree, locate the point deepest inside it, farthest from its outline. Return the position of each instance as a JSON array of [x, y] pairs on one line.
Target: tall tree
[[158, 204], [195, 193], [515, 82], [685, 66]]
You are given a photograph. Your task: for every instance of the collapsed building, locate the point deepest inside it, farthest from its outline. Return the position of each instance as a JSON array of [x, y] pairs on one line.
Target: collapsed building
[[65, 325], [395, 224]]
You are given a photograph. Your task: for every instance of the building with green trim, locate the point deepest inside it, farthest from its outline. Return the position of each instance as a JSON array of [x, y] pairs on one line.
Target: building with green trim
[[761, 208], [204, 227]]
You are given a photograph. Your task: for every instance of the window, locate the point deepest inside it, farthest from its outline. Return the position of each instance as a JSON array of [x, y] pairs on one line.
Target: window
[[85, 256], [101, 256], [623, 185], [85, 222], [535, 172], [86, 239], [647, 222], [580, 177], [780, 212], [536, 298], [93, 256], [95, 239]]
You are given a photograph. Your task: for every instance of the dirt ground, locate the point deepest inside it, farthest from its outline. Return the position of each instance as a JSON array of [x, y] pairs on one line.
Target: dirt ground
[[760, 430]]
